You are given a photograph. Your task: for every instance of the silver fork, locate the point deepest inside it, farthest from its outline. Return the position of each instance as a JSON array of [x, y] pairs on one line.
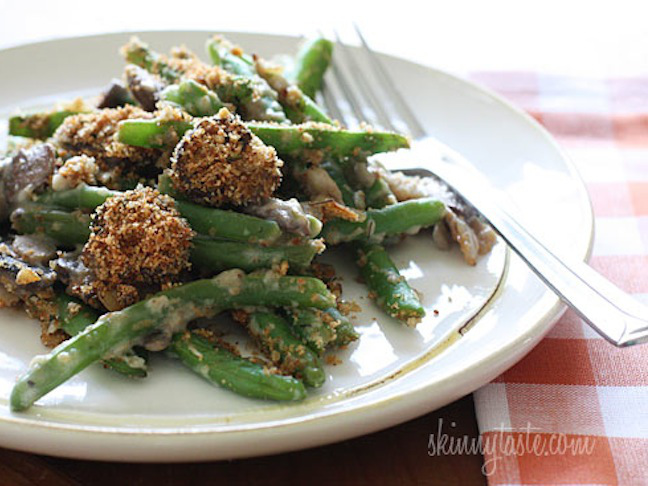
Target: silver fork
[[611, 312]]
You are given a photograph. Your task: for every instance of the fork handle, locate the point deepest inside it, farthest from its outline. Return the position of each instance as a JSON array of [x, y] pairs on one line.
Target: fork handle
[[611, 312], [614, 314]]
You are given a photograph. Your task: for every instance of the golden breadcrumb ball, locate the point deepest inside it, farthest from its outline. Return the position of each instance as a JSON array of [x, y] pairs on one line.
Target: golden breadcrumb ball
[[138, 243], [221, 162]]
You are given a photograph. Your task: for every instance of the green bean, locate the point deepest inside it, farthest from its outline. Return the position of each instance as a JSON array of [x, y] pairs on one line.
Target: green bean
[[291, 141], [138, 53], [390, 290], [217, 223], [345, 333], [334, 169], [80, 197], [298, 106], [379, 194], [220, 52], [263, 105], [310, 326], [152, 133], [223, 368], [275, 337], [221, 223], [301, 109], [230, 88], [323, 328], [312, 61], [172, 308], [38, 125], [68, 229], [297, 140], [74, 316], [403, 217], [193, 97], [217, 254], [389, 284]]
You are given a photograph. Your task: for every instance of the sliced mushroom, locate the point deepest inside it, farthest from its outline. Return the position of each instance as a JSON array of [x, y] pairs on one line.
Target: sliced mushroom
[[463, 235], [144, 86], [288, 214]]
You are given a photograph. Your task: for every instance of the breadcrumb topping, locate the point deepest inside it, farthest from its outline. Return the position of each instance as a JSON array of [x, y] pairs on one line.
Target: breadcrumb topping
[[45, 310], [191, 67], [74, 171], [221, 162], [138, 242], [93, 134]]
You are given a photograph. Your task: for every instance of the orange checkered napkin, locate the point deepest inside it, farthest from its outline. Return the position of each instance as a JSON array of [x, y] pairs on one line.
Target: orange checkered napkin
[[575, 410]]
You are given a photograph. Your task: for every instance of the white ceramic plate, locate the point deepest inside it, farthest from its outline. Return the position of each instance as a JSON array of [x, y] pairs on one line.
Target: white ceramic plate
[[488, 316]]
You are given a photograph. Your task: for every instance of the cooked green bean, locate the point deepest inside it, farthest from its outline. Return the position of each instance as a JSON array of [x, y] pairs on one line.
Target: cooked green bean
[[68, 229], [218, 254], [390, 290], [309, 325], [80, 197], [193, 97], [345, 333], [223, 368], [323, 328], [74, 316], [38, 125], [291, 141], [275, 337], [263, 105], [379, 194], [312, 61], [230, 88], [298, 106], [217, 223], [172, 308], [403, 217], [138, 53]]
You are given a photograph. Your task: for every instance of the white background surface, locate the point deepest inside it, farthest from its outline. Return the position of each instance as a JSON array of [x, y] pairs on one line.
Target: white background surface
[[584, 38]]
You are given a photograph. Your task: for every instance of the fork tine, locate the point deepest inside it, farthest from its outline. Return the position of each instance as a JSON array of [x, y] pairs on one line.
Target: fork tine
[[365, 88], [398, 101], [345, 85], [331, 105], [329, 97]]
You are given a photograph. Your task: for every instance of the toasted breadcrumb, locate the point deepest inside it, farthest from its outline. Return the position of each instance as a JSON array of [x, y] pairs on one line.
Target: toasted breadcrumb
[[240, 315], [138, 239], [333, 360], [323, 271], [8, 299], [76, 170], [25, 276], [78, 104], [328, 209], [347, 307], [191, 67], [221, 162], [407, 187], [45, 310], [36, 122], [93, 134]]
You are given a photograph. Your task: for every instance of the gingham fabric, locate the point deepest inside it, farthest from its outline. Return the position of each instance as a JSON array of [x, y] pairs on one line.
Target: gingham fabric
[[575, 410]]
